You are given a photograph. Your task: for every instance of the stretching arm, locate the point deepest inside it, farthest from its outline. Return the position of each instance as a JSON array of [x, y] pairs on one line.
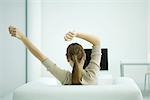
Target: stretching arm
[[90, 38], [34, 50], [60, 74]]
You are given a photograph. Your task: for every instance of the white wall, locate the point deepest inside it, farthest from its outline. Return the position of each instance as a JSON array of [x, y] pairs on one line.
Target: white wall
[[148, 29], [34, 34], [120, 23], [12, 52]]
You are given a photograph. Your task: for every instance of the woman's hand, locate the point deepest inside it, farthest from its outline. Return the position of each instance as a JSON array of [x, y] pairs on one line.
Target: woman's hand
[[69, 36], [15, 32]]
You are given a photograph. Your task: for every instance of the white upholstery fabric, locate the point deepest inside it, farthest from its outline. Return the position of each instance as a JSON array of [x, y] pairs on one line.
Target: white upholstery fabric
[[47, 89]]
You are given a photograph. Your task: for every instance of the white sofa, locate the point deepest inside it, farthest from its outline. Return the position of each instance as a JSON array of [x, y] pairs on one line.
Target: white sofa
[[122, 88]]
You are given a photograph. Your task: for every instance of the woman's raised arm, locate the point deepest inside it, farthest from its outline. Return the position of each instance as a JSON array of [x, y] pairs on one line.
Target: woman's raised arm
[[15, 32], [90, 38]]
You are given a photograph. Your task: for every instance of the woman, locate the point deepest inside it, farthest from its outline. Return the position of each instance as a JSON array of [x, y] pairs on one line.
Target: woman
[[75, 56]]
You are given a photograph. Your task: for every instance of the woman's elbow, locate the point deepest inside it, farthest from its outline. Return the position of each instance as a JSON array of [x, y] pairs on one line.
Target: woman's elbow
[[97, 41]]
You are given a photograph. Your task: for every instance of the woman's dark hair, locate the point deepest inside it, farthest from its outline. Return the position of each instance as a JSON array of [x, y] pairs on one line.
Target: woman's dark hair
[[75, 52]]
